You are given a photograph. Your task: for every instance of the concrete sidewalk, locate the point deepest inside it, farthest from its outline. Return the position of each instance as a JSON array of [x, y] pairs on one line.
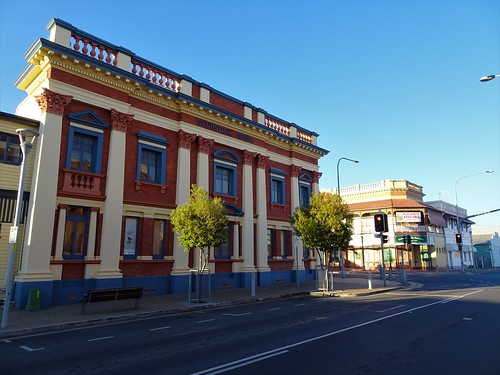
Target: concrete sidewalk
[[58, 318]]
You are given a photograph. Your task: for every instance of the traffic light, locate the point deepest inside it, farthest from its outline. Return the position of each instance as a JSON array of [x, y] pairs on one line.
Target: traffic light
[[381, 222], [385, 238], [408, 239], [458, 238]]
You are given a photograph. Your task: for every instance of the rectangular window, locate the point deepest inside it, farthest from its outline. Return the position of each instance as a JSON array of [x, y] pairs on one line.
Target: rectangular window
[[224, 250], [84, 150], [159, 238], [75, 233], [152, 163], [224, 180], [130, 240], [10, 152], [270, 247], [304, 195], [284, 243], [277, 190]]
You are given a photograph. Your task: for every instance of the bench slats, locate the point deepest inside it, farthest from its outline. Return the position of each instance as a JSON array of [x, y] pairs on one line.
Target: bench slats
[[112, 294]]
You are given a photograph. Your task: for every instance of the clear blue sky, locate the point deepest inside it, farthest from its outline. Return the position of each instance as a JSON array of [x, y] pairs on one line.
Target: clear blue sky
[[394, 84]]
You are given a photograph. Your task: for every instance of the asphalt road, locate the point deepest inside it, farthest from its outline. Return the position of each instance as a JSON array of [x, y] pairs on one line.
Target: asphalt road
[[447, 325]]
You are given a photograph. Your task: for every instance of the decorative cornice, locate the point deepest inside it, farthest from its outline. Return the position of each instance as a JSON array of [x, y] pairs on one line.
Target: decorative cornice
[[204, 144], [186, 139], [262, 161], [52, 102], [295, 170], [120, 121], [248, 157]]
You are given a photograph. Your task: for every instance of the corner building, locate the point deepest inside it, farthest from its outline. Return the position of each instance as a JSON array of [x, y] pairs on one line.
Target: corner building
[[122, 141]]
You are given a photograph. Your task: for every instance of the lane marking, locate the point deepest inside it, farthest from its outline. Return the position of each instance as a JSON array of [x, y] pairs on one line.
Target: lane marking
[[100, 338], [422, 294], [300, 304], [274, 308], [28, 349], [6, 341], [159, 328], [466, 318], [205, 321], [241, 314], [240, 363], [390, 308], [284, 349]]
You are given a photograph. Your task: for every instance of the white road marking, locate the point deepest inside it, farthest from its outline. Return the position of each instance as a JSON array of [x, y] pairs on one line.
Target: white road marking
[[28, 349], [6, 341], [101, 338], [159, 328], [205, 321], [466, 318], [274, 308], [240, 363], [390, 308], [242, 314], [285, 349], [300, 304]]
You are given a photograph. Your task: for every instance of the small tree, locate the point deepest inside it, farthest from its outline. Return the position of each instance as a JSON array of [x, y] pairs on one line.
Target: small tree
[[200, 223], [325, 226]]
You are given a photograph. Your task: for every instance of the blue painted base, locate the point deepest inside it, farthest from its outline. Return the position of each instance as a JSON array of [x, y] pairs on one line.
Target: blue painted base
[[61, 292], [22, 290]]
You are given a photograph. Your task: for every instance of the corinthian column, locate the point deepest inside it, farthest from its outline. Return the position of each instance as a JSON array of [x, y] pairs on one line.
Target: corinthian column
[[262, 214], [113, 205], [247, 235]]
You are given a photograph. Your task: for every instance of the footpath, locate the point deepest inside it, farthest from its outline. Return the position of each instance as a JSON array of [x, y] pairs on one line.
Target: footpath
[[65, 317]]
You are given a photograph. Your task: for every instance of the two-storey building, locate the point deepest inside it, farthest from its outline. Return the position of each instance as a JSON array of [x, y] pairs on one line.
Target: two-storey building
[[122, 141]]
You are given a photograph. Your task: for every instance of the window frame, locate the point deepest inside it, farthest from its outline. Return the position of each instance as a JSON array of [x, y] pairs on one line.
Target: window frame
[[157, 145], [75, 219], [228, 244], [278, 180], [135, 238], [162, 243], [16, 142], [227, 160], [97, 151]]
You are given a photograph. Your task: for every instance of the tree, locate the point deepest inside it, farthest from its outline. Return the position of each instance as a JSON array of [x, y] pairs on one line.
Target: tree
[[325, 226], [201, 223]]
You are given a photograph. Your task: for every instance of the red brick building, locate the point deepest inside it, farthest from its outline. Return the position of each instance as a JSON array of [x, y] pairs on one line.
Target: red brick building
[[122, 140]]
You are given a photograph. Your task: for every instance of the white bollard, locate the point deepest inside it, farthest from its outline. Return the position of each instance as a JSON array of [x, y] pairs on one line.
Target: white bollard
[[369, 279]]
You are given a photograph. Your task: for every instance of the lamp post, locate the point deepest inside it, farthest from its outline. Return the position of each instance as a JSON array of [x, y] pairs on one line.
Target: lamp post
[[338, 192], [489, 78], [459, 225], [26, 146]]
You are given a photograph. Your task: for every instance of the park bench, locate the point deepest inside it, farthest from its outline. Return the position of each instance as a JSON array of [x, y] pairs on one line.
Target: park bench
[[112, 294]]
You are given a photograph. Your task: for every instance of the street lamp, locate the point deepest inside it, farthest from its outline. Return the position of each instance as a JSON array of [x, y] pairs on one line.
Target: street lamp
[[489, 78], [26, 146], [459, 225], [338, 192]]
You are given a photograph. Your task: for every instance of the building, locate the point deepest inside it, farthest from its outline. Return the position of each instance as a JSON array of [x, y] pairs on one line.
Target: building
[[429, 226], [487, 248], [10, 162], [122, 141]]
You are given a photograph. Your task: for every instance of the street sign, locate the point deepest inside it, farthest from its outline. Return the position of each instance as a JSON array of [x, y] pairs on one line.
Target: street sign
[[13, 234]]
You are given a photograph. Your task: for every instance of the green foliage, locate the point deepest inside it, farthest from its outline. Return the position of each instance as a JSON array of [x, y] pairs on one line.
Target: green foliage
[[326, 225], [201, 222]]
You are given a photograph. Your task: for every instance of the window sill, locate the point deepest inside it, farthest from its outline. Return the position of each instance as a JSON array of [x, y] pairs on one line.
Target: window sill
[[138, 185], [278, 206]]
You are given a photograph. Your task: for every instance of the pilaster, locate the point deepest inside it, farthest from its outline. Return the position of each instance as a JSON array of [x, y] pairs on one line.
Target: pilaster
[[262, 264], [247, 235]]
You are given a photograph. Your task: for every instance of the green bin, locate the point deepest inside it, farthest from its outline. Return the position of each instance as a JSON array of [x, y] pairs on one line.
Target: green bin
[[34, 303]]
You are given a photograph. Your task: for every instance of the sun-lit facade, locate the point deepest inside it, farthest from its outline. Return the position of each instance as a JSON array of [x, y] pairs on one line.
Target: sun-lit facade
[[122, 140]]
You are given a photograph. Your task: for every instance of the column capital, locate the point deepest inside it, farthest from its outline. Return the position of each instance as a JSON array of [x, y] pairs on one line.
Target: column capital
[[204, 144], [52, 102], [63, 206], [186, 139], [248, 157], [262, 161], [95, 209], [120, 121], [296, 170], [316, 176]]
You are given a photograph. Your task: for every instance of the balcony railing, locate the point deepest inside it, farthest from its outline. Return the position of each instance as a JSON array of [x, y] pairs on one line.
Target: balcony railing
[[79, 182]]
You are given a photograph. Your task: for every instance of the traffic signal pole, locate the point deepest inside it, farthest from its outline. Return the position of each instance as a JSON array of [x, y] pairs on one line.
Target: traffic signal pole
[[383, 260]]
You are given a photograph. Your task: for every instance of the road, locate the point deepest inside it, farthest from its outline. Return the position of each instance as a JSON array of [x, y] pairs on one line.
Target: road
[[447, 324]]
